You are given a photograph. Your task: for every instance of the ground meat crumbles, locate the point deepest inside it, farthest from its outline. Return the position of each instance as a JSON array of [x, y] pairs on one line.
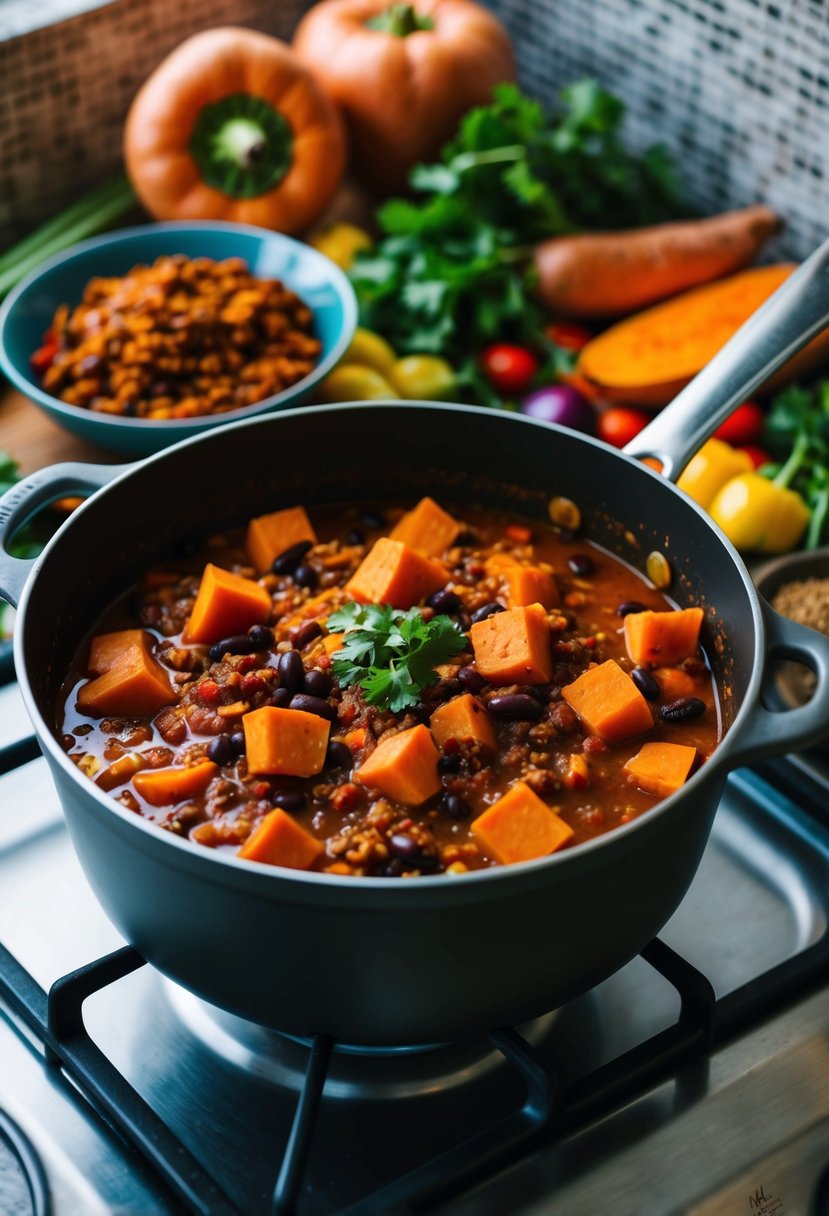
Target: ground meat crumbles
[[182, 338], [247, 741]]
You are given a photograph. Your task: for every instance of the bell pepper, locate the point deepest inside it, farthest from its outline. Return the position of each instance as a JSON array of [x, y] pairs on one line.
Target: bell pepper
[[341, 242], [715, 464], [370, 350], [760, 515]]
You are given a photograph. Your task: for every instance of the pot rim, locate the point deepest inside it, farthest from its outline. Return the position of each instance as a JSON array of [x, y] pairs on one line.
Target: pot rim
[[499, 877]]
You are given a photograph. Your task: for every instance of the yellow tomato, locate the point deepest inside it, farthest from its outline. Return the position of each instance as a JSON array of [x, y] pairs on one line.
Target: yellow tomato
[[355, 382], [370, 350], [341, 242], [423, 377]]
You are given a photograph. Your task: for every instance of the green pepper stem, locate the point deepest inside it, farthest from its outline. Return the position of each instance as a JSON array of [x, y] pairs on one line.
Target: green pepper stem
[[796, 457], [242, 146], [819, 506], [241, 140], [400, 20]]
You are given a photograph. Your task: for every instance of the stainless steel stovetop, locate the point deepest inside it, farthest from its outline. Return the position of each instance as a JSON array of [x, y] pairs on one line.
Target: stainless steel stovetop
[[658, 1111]]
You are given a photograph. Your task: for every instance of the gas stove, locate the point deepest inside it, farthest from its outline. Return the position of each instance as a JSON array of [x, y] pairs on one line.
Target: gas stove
[[694, 1081]]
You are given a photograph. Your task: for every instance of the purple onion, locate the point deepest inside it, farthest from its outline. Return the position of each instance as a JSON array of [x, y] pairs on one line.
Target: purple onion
[[562, 404]]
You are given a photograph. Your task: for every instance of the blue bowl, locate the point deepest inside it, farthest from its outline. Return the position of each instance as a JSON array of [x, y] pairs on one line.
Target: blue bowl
[[28, 312]]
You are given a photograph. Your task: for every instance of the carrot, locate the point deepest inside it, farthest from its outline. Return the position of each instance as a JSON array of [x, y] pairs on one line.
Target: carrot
[[663, 637], [661, 768], [403, 766], [130, 682], [270, 535], [648, 358], [520, 827], [287, 741], [280, 841], [608, 274], [609, 703], [461, 719], [163, 786], [226, 604], [513, 647], [427, 529], [531, 585], [392, 573]]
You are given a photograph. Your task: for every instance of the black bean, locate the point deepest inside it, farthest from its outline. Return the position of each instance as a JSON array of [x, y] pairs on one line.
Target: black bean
[[237, 742], [471, 679], [306, 576], [261, 636], [338, 755], [306, 633], [490, 609], [629, 606], [356, 536], [450, 763], [404, 846], [455, 806], [240, 643], [317, 683], [646, 683], [280, 698], [517, 705], [444, 602], [220, 750], [290, 800], [291, 671], [288, 560], [683, 709], [313, 705], [373, 519], [581, 564]]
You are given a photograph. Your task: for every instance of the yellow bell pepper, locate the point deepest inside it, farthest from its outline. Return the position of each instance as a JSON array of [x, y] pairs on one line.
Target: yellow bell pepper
[[424, 377], [708, 471], [355, 382], [370, 350], [758, 515], [341, 243]]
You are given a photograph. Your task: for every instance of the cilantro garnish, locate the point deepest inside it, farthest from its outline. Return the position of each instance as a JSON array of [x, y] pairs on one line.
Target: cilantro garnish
[[392, 654]]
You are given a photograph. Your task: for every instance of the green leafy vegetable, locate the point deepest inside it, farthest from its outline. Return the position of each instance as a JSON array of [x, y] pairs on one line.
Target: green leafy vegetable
[[392, 654], [797, 435]]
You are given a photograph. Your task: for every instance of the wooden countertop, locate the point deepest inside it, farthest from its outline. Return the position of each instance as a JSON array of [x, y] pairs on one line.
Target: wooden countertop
[[34, 441]]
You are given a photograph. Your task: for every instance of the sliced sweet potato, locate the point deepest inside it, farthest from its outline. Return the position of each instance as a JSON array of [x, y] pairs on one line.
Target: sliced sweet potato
[[403, 766], [287, 741], [427, 529], [661, 768], [281, 841], [663, 637], [608, 703], [520, 827], [165, 786], [513, 647], [392, 573], [461, 719], [226, 604], [531, 585], [270, 535], [130, 681]]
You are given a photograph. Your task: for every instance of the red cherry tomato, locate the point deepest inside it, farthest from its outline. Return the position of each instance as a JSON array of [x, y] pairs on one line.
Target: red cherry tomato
[[509, 369], [745, 425], [619, 425], [568, 337], [757, 455]]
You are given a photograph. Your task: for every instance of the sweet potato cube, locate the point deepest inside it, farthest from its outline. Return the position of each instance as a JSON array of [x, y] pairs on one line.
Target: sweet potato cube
[[130, 682], [392, 573], [531, 585], [281, 841], [461, 719], [287, 741], [270, 535], [609, 703], [427, 529], [662, 637], [519, 827], [226, 604], [513, 647], [661, 768], [164, 786], [403, 767]]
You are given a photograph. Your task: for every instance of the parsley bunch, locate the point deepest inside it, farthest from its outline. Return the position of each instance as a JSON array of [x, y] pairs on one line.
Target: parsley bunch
[[392, 654], [454, 270], [797, 433]]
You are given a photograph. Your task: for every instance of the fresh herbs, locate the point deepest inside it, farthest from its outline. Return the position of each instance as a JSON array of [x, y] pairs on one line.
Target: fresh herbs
[[797, 434], [392, 654], [454, 271]]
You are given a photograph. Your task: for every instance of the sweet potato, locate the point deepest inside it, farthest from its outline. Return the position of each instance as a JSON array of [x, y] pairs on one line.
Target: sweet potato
[[281, 841], [531, 585], [403, 766], [608, 703], [611, 273], [130, 682], [392, 573], [648, 358], [427, 529], [663, 637], [164, 786], [461, 719], [226, 604], [513, 647], [520, 827], [287, 741], [661, 768], [270, 535]]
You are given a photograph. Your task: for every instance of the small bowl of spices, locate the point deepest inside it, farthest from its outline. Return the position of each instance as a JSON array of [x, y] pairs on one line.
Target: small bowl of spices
[[143, 337], [797, 586]]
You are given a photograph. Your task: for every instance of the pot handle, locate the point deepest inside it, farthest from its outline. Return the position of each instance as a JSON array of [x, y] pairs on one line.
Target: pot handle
[[24, 498], [797, 311], [767, 733]]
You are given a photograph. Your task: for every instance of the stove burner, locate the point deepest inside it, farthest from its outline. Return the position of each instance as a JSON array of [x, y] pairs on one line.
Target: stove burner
[[23, 1187]]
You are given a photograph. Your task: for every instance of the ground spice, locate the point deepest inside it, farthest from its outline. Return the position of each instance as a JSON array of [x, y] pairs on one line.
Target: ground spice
[[807, 602]]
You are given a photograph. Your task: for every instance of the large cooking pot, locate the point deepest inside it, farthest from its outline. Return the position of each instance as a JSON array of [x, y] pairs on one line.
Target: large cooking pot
[[378, 960]]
